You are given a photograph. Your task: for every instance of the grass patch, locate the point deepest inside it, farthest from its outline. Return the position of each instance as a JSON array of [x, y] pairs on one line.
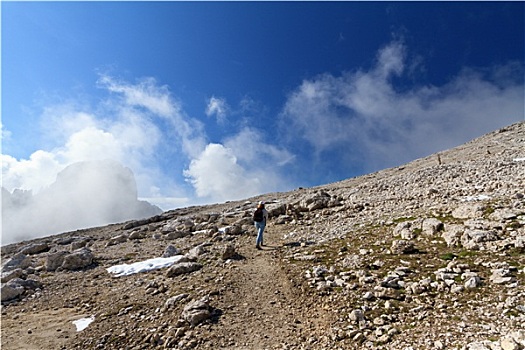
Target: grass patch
[[448, 218], [514, 224], [404, 219], [488, 210], [516, 252], [467, 254], [447, 256]]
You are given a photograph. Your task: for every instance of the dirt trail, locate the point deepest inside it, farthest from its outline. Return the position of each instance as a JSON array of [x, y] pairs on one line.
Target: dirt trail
[[47, 329], [263, 310]]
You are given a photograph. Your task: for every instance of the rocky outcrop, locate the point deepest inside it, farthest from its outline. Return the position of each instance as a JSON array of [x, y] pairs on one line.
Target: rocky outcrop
[[75, 260]]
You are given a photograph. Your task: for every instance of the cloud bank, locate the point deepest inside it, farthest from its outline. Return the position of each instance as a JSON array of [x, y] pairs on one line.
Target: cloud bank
[[85, 194], [365, 119]]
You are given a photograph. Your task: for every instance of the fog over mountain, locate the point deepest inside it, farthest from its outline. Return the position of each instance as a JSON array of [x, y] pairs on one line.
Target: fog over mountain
[[85, 194]]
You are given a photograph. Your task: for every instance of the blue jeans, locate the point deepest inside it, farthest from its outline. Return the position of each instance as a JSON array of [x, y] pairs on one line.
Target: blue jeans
[[260, 225]]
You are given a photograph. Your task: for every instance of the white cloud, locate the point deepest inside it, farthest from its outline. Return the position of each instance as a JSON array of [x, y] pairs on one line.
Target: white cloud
[[363, 113], [217, 174], [129, 139], [31, 174], [146, 93], [250, 148], [391, 59], [158, 101], [218, 107], [243, 166]]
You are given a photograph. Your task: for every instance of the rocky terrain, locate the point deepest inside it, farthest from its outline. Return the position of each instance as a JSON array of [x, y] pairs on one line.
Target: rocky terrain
[[428, 255]]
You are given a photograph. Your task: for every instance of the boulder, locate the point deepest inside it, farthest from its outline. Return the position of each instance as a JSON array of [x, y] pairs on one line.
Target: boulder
[[469, 211], [170, 251], [472, 239], [195, 252], [9, 275], [504, 214], [508, 343], [196, 312], [228, 252], [405, 230], [34, 248], [452, 235], [356, 316], [315, 202], [431, 226], [77, 260], [137, 234], [177, 234], [183, 268], [79, 243], [473, 282], [171, 302], [17, 287], [55, 260], [19, 260], [233, 229], [402, 246], [387, 293], [116, 240], [69, 261], [11, 291]]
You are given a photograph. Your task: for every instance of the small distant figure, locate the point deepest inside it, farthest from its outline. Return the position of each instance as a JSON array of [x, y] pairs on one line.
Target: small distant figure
[[260, 216]]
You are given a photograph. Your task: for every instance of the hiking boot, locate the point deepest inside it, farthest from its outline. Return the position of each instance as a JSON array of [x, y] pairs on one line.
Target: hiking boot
[[258, 247]]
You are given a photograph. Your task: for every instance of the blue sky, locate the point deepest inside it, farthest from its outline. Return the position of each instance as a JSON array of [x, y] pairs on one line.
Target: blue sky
[[214, 101]]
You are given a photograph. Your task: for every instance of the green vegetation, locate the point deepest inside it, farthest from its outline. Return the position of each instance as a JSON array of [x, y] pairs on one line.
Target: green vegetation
[[514, 224], [467, 253], [404, 219], [488, 210], [448, 256]]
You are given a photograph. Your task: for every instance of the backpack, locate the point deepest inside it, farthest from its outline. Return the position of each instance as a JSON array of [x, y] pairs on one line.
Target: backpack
[[258, 215]]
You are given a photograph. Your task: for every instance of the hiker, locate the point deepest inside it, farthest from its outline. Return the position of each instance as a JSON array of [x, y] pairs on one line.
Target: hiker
[[260, 216]]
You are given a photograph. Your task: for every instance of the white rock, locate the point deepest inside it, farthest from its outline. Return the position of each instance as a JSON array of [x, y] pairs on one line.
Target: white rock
[[356, 315], [508, 343]]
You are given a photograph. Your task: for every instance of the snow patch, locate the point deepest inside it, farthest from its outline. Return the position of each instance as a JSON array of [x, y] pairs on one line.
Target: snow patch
[[481, 197], [519, 159], [143, 266], [83, 323]]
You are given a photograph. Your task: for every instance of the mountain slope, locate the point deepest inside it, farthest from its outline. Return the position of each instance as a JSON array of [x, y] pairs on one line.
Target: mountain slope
[[429, 255]]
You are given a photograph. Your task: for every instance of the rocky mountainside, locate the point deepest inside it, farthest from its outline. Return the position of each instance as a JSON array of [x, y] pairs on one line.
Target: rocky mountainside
[[428, 255]]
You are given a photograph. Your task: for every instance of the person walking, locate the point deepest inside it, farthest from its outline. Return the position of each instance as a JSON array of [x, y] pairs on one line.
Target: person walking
[[260, 217]]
